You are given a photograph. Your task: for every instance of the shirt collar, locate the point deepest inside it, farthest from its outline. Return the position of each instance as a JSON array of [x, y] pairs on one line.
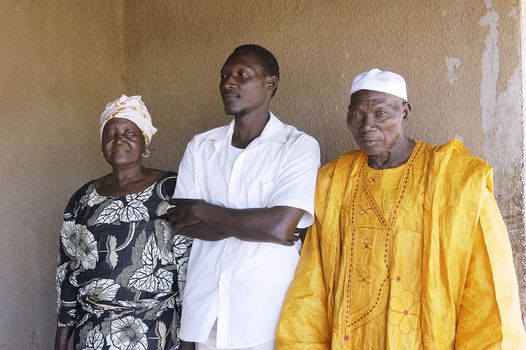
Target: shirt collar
[[274, 130]]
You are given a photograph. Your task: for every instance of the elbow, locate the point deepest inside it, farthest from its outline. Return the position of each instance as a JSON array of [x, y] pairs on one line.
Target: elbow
[[280, 231]]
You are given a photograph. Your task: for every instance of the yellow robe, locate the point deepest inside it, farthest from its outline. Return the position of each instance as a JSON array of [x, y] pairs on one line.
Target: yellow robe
[[424, 265]]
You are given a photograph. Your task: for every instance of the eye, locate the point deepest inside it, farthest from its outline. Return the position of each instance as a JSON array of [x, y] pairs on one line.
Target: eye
[[355, 115], [224, 76], [381, 115]]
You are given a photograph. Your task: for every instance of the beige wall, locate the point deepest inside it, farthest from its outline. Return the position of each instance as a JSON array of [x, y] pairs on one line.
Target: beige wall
[[461, 59], [62, 61]]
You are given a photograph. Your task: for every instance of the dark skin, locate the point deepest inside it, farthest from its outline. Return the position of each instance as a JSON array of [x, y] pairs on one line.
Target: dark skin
[[122, 146], [376, 121], [246, 94]]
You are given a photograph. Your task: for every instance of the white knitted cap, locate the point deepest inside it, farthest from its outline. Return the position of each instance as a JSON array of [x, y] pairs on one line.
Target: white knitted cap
[[382, 81]]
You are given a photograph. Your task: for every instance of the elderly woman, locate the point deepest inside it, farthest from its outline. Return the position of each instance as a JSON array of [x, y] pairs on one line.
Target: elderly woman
[[121, 269]]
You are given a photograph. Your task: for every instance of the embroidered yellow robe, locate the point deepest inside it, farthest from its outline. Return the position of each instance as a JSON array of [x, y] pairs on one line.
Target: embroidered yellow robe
[[419, 262]]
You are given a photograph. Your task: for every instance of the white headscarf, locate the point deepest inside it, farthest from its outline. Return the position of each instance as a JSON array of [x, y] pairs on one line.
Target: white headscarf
[[382, 81], [133, 109]]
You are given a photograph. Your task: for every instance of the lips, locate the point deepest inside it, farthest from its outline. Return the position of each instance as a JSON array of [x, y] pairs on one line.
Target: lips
[[230, 96], [117, 150]]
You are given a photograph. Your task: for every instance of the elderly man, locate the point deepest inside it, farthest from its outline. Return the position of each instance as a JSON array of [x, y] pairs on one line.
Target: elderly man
[[408, 249], [248, 185]]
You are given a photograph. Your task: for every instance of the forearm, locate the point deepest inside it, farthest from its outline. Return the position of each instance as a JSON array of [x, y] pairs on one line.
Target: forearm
[[186, 346], [275, 224], [62, 337], [203, 231]]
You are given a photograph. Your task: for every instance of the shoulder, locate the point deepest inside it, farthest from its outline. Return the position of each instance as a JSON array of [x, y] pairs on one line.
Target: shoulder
[[343, 163], [292, 135], [78, 195], [83, 190], [211, 135], [166, 185], [459, 176], [300, 144], [455, 157]]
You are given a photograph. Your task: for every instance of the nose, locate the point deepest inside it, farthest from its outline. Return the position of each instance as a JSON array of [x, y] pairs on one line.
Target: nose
[[368, 123], [118, 137], [227, 83]]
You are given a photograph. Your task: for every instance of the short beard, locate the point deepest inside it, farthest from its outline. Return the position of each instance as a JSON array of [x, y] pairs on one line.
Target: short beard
[[238, 114]]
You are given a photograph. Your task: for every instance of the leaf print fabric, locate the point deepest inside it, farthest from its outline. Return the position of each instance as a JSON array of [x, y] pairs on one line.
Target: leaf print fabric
[[100, 290], [121, 270], [94, 340], [87, 254], [148, 278], [133, 210], [129, 333]]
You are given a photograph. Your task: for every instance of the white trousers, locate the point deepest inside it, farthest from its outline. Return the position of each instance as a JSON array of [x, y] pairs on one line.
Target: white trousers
[[265, 346], [211, 341]]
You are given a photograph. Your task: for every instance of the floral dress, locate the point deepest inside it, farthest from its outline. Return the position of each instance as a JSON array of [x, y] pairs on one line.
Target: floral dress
[[121, 270]]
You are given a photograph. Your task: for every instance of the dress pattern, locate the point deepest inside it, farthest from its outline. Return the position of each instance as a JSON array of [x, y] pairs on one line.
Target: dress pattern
[[375, 286], [121, 270]]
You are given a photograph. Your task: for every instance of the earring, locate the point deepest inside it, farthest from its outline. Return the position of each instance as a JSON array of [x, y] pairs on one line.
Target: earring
[[146, 153]]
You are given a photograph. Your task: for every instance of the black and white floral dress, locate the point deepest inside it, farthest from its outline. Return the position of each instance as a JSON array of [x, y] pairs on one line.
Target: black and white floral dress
[[121, 270]]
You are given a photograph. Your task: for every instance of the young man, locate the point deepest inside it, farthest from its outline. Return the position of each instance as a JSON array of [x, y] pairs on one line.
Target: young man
[[243, 191]]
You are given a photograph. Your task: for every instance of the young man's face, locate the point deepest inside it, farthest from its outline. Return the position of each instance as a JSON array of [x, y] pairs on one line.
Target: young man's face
[[243, 86]]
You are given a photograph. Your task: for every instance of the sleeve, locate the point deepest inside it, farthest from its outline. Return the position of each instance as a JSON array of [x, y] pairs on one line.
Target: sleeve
[[304, 320], [490, 315], [67, 291], [187, 186], [296, 183]]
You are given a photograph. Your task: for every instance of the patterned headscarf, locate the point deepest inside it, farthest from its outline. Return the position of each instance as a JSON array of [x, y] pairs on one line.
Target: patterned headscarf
[[133, 109]]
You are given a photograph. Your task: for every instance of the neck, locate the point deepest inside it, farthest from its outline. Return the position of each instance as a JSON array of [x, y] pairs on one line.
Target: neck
[[249, 127], [126, 175], [398, 156]]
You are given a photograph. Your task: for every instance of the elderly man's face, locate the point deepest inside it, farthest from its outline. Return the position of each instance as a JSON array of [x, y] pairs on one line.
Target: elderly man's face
[[375, 120]]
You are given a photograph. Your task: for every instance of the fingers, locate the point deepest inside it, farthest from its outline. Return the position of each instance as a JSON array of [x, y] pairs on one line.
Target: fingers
[[177, 227], [180, 201], [290, 240]]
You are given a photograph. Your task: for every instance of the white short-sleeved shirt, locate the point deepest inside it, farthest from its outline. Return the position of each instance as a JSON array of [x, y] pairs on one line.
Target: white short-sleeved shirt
[[243, 284]]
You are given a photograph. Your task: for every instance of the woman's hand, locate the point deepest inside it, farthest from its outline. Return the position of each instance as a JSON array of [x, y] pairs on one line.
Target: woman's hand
[[62, 337]]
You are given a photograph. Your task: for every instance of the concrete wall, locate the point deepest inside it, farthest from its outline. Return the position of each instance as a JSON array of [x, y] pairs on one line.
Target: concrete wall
[[62, 61]]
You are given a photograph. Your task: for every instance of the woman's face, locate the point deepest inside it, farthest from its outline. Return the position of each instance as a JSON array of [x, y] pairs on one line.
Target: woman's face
[[122, 142]]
